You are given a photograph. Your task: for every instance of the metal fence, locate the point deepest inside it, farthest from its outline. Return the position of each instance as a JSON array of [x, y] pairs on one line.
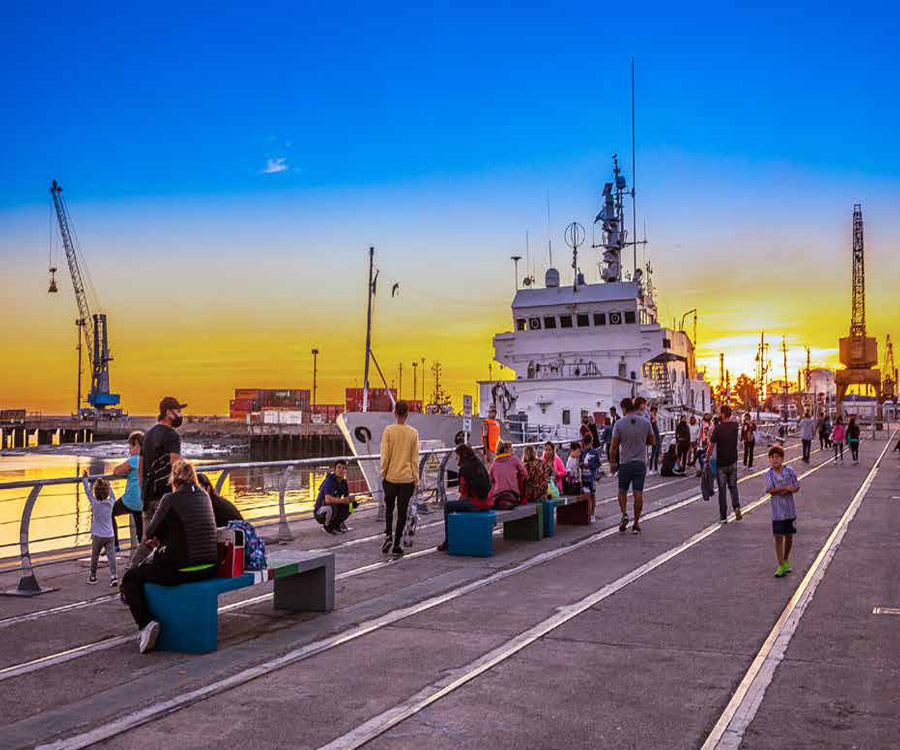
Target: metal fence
[[29, 585]]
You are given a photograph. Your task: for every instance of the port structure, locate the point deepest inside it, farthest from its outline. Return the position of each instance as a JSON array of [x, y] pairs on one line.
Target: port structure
[[92, 325], [858, 352]]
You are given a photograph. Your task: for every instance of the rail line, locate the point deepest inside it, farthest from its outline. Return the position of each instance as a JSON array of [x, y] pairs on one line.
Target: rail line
[[163, 708], [76, 652]]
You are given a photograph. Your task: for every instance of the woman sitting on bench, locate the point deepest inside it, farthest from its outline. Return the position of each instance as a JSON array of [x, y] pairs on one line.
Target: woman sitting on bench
[[474, 488], [223, 509], [183, 535]]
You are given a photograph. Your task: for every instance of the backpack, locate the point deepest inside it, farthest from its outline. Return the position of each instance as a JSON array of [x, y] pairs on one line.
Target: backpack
[[412, 523], [254, 546]]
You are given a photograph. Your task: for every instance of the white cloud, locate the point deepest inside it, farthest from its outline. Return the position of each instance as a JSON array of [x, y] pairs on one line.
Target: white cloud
[[278, 164]]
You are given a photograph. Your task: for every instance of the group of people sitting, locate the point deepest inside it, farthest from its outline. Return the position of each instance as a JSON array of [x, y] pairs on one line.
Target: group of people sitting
[[510, 481]]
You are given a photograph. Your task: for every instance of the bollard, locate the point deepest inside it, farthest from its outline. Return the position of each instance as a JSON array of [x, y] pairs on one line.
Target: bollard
[[284, 531], [28, 583]]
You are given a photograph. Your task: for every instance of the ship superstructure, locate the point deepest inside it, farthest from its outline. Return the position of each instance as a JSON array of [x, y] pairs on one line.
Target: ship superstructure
[[581, 348]]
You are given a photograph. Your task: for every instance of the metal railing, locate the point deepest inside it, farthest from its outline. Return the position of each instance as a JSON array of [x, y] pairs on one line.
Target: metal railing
[[29, 585]]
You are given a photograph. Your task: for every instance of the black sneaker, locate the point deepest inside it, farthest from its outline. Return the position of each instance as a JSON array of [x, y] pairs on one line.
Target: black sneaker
[[92, 580], [397, 552], [443, 547], [386, 546], [623, 524], [635, 529], [343, 528], [328, 530]]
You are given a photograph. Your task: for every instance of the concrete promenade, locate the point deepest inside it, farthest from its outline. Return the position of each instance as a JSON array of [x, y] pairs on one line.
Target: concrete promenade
[[676, 638]]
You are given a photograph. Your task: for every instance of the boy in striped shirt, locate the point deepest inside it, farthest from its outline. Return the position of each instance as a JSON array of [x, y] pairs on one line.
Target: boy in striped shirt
[[781, 484]]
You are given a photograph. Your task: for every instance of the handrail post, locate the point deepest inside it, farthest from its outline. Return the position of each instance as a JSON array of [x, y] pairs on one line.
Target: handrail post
[[421, 504], [284, 531], [28, 583], [220, 482], [441, 484]]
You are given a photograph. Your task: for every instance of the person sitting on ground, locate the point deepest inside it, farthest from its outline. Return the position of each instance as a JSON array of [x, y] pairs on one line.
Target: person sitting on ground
[[223, 509], [555, 464], [507, 477], [669, 466], [474, 488], [102, 501], [538, 476], [333, 503], [182, 534]]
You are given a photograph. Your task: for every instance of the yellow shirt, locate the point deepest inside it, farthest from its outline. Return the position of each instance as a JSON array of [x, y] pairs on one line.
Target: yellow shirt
[[400, 454]]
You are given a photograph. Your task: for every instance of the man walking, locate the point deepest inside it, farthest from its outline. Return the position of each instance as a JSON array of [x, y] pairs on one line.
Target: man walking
[[723, 444], [748, 439], [630, 438], [657, 440], [399, 475], [159, 452], [807, 428]]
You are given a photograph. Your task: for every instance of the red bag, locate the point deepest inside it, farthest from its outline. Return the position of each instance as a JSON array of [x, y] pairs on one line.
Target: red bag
[[230, 543]]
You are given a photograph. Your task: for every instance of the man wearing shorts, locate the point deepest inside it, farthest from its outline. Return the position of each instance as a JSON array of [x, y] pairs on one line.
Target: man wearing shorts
[[628, 451]]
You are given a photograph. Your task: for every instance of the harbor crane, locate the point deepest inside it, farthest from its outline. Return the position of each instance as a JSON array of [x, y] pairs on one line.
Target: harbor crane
[[889, 383], [91, 324], [858, 352]]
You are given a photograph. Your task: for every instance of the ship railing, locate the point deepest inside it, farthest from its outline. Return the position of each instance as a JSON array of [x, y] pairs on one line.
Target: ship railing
[[60, 548]]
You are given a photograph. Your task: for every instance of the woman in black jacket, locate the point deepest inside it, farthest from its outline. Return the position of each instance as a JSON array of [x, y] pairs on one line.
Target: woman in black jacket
[[183, 535], [853, 439]]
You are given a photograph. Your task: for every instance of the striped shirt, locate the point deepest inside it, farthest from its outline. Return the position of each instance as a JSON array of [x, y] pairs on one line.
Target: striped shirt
[[783, 507]]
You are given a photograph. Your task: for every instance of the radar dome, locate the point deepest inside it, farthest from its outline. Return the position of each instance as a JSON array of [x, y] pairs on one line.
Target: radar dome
[[552, 278]]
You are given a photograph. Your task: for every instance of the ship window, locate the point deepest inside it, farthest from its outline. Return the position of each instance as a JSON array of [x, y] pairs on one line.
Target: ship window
[[566, 416], [534, 324], [629, 316], [520, 324], [549, 321], [615, 318], [667, 344], [565, 321], [583, 320], [599, 319]]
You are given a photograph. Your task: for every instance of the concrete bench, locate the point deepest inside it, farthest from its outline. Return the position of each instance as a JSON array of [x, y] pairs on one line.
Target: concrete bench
[[573, 510], [188, 613], [470, 534]]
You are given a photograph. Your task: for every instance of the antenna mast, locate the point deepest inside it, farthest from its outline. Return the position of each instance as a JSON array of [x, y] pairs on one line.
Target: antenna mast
[[633, 174]]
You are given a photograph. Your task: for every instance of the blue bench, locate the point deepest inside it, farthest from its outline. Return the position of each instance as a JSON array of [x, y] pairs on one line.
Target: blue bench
[[471, 534], [188, 613]]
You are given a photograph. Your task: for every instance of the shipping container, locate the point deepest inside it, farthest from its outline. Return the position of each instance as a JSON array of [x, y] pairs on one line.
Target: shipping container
[[282, 416], [246, 393]]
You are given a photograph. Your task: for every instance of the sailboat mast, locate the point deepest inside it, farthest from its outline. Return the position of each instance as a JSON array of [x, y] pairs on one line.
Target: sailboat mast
[[633, 176], [368, 333]]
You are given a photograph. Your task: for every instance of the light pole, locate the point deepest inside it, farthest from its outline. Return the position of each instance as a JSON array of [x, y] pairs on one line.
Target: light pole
[[415, 366], [315, 353], [515, 259]]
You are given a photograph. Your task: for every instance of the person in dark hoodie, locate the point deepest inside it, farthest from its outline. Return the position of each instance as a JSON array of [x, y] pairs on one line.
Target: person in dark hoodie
[[223, 509], [333, 502], [474, 488], [182, 534]]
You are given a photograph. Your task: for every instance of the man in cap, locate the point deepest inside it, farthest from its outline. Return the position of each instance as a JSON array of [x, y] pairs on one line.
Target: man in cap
[[160, 451]]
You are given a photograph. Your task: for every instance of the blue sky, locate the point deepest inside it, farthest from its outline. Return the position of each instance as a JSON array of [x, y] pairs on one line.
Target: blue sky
[[285, 139]]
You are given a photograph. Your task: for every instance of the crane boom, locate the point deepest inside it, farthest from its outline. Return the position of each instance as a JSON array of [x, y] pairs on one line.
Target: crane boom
[[93, 325], [858, 310], [84, 310]]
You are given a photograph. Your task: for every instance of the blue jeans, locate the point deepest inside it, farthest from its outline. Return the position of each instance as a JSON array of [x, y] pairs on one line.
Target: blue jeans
[[727, 477]]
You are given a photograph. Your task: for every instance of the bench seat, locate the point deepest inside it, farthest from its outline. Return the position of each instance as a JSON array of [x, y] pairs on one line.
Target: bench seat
[[470, 533], [188, 612]]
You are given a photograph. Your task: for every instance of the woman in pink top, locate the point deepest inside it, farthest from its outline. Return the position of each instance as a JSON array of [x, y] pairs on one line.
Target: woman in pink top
[[838, 435], [557, 468]]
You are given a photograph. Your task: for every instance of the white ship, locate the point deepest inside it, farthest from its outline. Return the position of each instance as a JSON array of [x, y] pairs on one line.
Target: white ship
[[576, 350], [579, 349]]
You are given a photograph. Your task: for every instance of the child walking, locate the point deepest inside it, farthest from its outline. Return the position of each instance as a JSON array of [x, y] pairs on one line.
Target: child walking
[[781, 484], [102, 500]]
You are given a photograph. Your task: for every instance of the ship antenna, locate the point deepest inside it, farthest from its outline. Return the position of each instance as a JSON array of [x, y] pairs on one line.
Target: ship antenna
[[633, 174], [549, 236]]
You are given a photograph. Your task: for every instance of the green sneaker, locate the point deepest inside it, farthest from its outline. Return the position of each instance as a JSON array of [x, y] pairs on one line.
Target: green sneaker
[[787, 566], [782, 570]]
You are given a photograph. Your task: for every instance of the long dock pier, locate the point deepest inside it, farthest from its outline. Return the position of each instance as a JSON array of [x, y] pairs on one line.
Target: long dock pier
[[679, 637]]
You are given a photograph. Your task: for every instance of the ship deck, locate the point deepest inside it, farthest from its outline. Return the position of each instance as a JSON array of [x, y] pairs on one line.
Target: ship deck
[[671, 639]]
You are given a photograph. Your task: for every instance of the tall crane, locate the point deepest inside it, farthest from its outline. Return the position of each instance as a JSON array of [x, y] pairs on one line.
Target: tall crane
[[93, 325], [858, 352], [889, 384]]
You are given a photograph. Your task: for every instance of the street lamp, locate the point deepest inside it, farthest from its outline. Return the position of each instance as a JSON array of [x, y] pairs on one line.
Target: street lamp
[[315, 353]]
